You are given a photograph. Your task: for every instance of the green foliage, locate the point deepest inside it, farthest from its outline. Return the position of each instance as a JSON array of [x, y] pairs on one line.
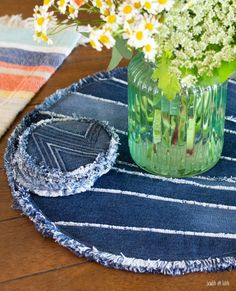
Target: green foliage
[[167, 81], [119, 51], [123, 49], [219, 75], [115, 58]]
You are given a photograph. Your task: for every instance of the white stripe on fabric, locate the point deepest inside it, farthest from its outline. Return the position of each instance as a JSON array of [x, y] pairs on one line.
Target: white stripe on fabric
[[127, 164], [121, 132], [226, 130], [207, 178], [148, 229], [119, 81], [216, 179], [19, 72], [175, 180], [230, 118], [165, 199], [222, 157], [232, 81], [42, 49], [230, 131], [228, 159], [125, 105], [101, 99]]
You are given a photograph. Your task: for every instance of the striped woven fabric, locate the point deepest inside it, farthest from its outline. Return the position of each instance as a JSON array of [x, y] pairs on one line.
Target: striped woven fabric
[[26, 65]]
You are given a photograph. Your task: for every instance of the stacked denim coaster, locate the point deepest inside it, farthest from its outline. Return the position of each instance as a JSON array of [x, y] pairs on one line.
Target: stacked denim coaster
[[128, 219], [60, 156]]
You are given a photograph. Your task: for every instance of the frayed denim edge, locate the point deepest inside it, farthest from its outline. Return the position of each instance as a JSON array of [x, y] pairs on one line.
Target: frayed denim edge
[[52, 99], [74, 182], [21, 201]]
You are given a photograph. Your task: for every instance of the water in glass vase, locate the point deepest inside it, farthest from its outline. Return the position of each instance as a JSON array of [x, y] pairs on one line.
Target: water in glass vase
[[180, 138]]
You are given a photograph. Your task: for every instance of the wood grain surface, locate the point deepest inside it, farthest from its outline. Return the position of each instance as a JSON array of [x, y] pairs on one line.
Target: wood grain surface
[[29, 261]]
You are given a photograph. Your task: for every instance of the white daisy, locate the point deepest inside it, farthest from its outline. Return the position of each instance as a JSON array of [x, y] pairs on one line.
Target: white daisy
[[62, 5], [94, 39], [164, 5], [138, 37], [150, 49], [127, 10]]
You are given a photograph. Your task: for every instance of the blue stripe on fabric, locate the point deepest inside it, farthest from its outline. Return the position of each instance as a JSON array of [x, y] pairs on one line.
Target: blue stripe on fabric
[[27, 58], [229, 147], [231, 100], [230, 125]]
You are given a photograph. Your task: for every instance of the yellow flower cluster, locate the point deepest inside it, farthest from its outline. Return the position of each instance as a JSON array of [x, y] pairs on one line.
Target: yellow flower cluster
[[194, 40], [135, 21]]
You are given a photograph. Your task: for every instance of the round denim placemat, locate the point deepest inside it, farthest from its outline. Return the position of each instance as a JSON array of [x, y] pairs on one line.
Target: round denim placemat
[[130, 219], [64, 156]]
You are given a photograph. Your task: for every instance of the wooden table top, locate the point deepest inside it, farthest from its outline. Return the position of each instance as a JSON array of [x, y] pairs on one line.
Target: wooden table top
[[30, 262]]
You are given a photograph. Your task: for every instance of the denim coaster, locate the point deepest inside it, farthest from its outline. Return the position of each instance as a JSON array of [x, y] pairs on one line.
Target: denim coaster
[[64, 156], [130, 219]]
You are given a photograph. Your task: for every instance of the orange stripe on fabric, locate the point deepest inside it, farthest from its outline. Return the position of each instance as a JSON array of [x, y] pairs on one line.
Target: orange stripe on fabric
[[28, 68], [20, 83]]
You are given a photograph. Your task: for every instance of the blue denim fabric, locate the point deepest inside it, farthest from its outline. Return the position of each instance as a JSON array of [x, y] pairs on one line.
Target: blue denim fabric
[[130, 219], [64, 156]]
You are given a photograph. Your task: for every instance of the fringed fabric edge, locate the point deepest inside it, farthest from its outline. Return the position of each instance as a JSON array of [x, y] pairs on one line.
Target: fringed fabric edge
[[21, 200]]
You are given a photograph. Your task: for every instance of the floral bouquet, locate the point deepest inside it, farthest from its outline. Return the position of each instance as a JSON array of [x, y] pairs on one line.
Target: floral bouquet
[[190, 42], [184, 52]]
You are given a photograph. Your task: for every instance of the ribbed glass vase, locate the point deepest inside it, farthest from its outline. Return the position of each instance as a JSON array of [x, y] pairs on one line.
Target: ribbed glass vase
[[180, 138]]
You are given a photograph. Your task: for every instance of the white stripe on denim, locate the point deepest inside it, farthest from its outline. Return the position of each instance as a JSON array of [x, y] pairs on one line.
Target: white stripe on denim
[[101, 99], [230, 118], [38, 147], [222, 157], [207, 178], [71, 133], [230, 131], [165, 199], [127, 164], [121, 131], [66, 149], [215, 179], [119, 81], [175, 180], [232, 81], [53, 114], [226, 130], [148, 229], [228, 159]]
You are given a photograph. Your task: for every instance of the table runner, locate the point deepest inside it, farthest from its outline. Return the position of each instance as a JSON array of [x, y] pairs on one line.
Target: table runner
[[26, 65], [130, 219]]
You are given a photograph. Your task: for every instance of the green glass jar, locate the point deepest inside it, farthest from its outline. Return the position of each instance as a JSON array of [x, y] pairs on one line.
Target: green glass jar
[[180, 138]]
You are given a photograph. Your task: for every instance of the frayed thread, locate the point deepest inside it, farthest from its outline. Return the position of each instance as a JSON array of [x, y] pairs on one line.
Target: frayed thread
[[16, 21], [48, 228], [49, 182]]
